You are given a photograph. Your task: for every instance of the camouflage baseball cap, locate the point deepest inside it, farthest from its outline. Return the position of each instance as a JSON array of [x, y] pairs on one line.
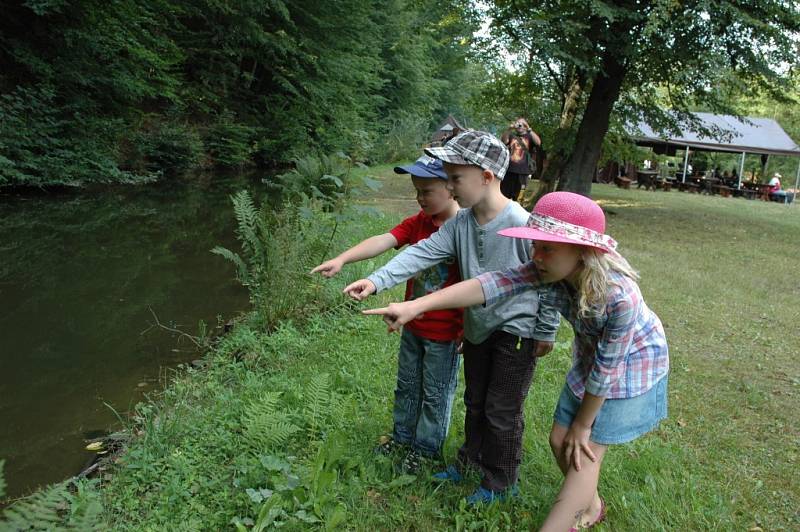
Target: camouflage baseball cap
[[477, 148]]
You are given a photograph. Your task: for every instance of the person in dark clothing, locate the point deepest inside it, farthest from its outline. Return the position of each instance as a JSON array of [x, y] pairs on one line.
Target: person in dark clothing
[[522, 144]]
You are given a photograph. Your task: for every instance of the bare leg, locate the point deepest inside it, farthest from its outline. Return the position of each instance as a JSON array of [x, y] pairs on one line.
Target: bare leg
[[578, 501]]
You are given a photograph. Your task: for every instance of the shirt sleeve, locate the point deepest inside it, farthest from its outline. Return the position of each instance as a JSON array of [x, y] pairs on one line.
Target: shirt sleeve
[[547, 319], [403, 231], [436, 248], [499, 285], [614, 344]]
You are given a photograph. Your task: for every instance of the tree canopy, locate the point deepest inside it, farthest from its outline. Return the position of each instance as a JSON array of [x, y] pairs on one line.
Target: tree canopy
[[130, 90], [605, 63], [126, 90]]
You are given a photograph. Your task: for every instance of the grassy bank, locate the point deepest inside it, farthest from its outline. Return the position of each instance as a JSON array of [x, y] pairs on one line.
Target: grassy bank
[[279, 428]]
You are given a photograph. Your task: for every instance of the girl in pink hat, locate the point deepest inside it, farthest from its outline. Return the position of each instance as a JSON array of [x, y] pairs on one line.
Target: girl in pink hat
[[616, 390]]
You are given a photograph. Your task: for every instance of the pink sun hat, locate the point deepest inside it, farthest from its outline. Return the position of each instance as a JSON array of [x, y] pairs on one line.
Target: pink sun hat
[[566, 217]]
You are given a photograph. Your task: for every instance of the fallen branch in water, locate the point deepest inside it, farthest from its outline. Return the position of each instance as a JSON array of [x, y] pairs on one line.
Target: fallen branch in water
[[194, 339]]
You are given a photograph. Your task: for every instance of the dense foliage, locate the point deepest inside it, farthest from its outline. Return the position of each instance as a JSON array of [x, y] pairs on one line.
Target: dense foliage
[[129, 90]]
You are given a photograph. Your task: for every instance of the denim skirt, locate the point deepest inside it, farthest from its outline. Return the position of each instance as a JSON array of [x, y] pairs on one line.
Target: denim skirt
[[619, 420]]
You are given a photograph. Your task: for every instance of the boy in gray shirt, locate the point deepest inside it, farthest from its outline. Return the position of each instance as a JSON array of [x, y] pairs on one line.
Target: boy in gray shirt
[[501, 343]]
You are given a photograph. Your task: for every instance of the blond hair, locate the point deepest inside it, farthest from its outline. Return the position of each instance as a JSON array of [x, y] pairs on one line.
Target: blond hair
[[594, 280]]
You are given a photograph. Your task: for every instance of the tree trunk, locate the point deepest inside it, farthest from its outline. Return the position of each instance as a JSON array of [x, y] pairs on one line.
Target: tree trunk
[[550, 170], [580, 168]]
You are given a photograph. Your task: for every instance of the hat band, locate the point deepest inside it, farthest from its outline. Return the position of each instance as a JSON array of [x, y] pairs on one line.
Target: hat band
[[578, 233]]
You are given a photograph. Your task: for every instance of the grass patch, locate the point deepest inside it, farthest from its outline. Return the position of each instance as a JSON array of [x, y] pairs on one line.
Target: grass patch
[[721, 273]]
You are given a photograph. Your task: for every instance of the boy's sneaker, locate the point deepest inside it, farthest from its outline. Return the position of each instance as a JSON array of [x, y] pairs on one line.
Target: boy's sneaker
[[413, 462], [451, 474], [484, 496], [388, 446]]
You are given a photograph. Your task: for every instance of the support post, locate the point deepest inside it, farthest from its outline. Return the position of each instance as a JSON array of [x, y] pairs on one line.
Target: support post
[[685, 164], [741, 170]]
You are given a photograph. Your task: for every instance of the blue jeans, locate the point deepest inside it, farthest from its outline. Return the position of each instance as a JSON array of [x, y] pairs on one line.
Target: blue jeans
[[427, 375]]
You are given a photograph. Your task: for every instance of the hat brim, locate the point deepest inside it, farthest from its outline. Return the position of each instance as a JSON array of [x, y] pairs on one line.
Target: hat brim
[[530, 233], [417, 170], [448, 155]]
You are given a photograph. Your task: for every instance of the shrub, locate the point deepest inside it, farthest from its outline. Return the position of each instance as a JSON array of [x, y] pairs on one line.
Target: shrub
[[229, 144], [164, 147], [278, 249], [43, 144]]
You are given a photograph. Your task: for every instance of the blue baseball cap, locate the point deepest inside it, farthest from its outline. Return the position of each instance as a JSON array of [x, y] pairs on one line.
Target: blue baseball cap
[[423, 167]]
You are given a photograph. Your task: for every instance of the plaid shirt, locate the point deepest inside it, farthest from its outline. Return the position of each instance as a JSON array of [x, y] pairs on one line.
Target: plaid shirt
[[617, 354]]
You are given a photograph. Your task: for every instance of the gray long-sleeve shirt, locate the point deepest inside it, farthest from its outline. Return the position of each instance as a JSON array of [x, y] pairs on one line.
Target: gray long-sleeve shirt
[[479, 249]]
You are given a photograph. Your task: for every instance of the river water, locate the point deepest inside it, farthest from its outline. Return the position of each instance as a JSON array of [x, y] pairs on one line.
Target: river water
[[79, 272]]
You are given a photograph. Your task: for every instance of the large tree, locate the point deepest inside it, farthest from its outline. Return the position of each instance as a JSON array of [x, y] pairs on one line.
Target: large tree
[[633, 59]]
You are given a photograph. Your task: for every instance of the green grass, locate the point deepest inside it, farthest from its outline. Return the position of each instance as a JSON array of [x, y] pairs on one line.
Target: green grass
[[296, 414], [723, 275]]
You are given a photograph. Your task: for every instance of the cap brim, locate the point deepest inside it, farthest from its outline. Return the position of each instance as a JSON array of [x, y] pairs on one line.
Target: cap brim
[[417, 170], [530, 233], [448, 155]]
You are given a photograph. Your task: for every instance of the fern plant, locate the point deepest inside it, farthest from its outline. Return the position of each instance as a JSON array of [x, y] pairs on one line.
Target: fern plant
[[278, 248], [54, 508], [40, 511], [265, 425], [317, 398], [324, 178], [251, 228]]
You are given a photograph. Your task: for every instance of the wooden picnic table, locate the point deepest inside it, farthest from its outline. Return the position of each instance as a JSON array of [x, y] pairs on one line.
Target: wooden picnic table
[[760, 189], [688, 186], [707, 185], [745, 192], [623, 182], [646, 179]]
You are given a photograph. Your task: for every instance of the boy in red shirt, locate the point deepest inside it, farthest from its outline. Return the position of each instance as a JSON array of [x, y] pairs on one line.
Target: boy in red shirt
[[427, 372]]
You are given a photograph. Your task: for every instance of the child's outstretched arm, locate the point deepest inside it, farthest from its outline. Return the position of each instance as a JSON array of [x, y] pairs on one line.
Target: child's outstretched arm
[[412, 260], [506, 283], [463, 294], [366, 249], [486, 288]]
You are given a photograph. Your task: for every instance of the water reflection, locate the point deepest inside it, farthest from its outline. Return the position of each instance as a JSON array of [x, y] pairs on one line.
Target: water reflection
[[77, 275]]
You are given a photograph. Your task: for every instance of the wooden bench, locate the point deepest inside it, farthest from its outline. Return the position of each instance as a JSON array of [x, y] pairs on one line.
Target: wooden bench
[[623, 182], [748, 193], [722, 190]]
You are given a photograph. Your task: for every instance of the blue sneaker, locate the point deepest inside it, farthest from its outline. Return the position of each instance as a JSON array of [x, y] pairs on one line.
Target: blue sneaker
[[484, 496], [450, 474]]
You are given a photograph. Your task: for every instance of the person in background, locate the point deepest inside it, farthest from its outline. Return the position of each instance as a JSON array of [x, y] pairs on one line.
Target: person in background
[[775, 192], [522, 143]]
